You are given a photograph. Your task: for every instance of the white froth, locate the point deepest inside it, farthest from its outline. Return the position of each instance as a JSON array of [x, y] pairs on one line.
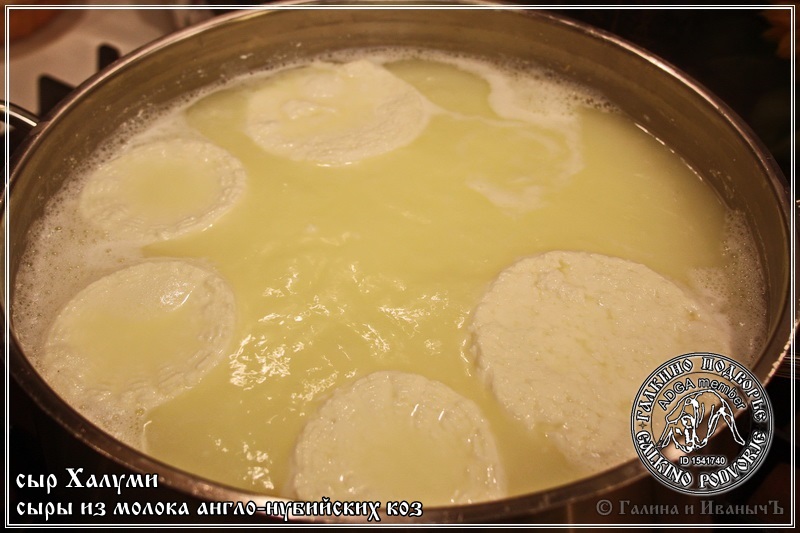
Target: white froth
[[65, 254], [530, 164], [737, 289], [162, 189], [544, 103], [565, 339], [138, 337], [379, 437], [550, 105], [335, 114]]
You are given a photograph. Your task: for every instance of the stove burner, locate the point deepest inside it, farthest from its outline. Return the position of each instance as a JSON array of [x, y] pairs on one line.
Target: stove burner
[[52, 90]]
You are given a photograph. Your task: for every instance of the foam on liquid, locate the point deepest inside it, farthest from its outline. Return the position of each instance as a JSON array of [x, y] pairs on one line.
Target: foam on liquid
[[340, 270]]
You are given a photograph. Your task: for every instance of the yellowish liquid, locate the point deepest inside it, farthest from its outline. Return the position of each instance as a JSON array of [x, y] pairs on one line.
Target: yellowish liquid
[[342, 271]]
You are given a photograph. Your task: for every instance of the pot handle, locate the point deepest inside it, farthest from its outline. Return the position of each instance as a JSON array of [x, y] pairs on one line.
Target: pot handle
[[18, 121]]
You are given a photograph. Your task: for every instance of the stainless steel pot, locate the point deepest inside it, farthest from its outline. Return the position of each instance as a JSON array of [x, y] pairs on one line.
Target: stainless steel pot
[[671, 106]]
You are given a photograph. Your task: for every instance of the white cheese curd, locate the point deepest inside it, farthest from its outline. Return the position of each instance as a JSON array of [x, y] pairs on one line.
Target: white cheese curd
[[336, 114], [162, 189], [398, 436], [565, 339], [138, 337]]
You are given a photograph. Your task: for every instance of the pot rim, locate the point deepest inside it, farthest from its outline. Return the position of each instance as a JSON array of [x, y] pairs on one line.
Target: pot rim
[[199, 487]]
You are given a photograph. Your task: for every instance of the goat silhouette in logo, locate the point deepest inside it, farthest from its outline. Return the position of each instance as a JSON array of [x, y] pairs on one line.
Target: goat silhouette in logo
[[689, 428]]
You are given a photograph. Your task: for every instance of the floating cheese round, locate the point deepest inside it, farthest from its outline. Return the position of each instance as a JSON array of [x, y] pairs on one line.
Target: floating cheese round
[[565, 340], [335, 114], [398, 436], [138, 337], [163, 189]]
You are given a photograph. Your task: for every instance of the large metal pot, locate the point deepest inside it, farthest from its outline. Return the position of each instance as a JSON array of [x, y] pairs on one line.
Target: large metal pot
[[675, 109]]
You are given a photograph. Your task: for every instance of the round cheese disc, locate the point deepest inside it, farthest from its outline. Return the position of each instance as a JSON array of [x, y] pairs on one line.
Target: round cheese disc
[[137, 337], [398, 436], [565, 340], [163, 189], [335, 114]]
